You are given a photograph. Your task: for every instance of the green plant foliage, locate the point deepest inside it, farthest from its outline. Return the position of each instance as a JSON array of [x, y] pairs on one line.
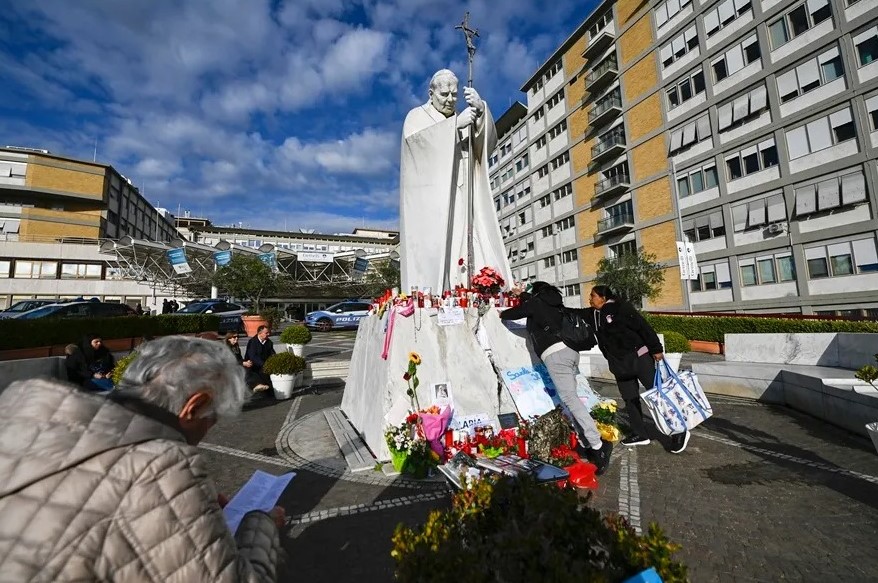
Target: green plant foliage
[[515, 530], [633, 276], [273, 316], [283, 363], [714, 328], [16, 333], [868, 373], [296, 334], [676, 342], [121, 365], [247, 278]]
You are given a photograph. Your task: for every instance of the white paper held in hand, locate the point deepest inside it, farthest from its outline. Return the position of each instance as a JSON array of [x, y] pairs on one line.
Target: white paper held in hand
[[261, 492]]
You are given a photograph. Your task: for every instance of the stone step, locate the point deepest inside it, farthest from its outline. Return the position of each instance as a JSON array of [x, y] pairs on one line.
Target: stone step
[[356, 454]]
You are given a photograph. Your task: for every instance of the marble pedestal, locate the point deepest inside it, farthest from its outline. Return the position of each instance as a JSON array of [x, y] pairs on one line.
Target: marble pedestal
[[375, 393]]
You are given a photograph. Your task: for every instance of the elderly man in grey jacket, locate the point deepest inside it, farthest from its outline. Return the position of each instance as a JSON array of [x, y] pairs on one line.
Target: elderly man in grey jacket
[[113, 489]]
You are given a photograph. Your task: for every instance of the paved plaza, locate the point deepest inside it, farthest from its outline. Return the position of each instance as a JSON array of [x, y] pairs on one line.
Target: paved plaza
[[762, 493]]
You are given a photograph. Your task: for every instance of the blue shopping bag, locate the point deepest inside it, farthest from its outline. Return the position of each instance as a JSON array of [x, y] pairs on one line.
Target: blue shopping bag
[[676, 402]]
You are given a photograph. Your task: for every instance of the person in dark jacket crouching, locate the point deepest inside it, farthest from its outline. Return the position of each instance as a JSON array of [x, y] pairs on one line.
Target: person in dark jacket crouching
[[542, 308], [113, 488], [632, 349]]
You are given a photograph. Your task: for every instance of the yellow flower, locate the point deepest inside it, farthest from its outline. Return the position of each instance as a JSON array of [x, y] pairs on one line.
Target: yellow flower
[[415, 358], [609, 432], [609, 405]]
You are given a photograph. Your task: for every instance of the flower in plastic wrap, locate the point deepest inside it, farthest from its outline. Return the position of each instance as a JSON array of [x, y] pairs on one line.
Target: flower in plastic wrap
[[608, 432], [434, 426]]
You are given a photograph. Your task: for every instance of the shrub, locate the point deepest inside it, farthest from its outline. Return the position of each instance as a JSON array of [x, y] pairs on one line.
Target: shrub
[[296, 334], [868, 373], [283, 363], [714, 328], [16, 333], [517, 530], [675, 342], [121, 365]]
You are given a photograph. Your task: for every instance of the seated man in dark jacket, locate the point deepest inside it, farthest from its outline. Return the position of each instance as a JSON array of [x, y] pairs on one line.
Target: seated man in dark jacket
[[542, 308], [259, 348]]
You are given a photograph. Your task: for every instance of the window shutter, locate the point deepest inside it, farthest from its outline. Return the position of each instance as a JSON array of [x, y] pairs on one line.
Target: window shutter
[[690, 33], [722, 273], [726, 10], [661, 15], [828, 55], [716, 220], [819, 136], [739, 217], [864, 252], [740, 4], [787, 84], [677, 44], [797, 142], [711, 22], [776, 208], [840, 117], [756, 213], [758, 99], [741, 107], [806, 200], [688, 225], [673, 8], [666, 53], [676, 140], [827, 194], [703, 127], [702, 222], [872, 103], [689, 134], [808, 72], [815, 5], [815, 253], [724, 113], [837, 249], [735, 59], [853, 188]]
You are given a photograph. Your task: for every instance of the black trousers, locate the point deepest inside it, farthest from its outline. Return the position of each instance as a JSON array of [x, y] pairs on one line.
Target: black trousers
[[631, 392]]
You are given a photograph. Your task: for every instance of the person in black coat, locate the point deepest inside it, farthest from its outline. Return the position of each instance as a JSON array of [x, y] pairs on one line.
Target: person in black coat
[[259, 348], [632, 349], [231, 342], [542, 308], [90, 364]]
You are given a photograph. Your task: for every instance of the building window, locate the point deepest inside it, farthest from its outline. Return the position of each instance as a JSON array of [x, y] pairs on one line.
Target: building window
[[769, 269], [25, 269], [553, 70], [810, 75], [758, 213], [562, 192], [690, 134], [521, 163], [828, 194], [600, 24], [547, 231], [679, 46], [549, 261], [538, 114], [713, 277], [724, 14], [545, 201], [80, 271], [752, 159], [497, 204], [694, 181], [555, 99], [558, 129], [492, 161], [541, 142], [523, 190], [705, 227], [867, 46], [797, 21], [569, 256], [742, 109], [820, 134], [505, 149], [543, 171], [839, 259], [872, 108], [685, 90], [559, 161], [736, 58], [5, 268], [624, 248], [564, 224], [571, 290]]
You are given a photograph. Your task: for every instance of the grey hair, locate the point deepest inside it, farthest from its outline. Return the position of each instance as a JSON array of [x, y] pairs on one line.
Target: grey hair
[[169, 370], [442, 74]]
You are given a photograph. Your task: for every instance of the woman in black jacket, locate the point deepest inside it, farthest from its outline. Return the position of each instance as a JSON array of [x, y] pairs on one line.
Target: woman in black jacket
[[91, 364], [231, 342], [542, 308], [632, 349]]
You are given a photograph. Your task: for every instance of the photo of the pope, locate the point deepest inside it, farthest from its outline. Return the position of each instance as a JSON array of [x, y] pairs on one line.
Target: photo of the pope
[[441, 394]]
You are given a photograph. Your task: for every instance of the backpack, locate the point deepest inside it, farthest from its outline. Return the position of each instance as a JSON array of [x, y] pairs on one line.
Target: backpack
[[576, 332]]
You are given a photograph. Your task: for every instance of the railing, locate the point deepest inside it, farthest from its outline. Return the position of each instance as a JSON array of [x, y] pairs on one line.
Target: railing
[[614, 222], [615, 139], [608, 65], [601, 107], [608, 183]]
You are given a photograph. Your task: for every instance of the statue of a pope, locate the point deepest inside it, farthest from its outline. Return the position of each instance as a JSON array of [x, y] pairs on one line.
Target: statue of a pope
[[433, 190]]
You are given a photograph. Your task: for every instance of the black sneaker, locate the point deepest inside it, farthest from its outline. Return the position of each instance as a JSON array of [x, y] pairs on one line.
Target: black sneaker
[[601, 457], [635, 439], [679, 442]]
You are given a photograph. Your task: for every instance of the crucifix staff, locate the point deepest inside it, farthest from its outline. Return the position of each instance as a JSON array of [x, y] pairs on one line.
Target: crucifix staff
[[469, 34]]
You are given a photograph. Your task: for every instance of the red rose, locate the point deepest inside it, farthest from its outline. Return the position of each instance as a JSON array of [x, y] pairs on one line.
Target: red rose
[[460, 261], [406, 376]]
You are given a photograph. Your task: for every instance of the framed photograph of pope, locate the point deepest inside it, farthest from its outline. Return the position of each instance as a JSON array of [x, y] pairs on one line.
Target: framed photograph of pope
[[441, 394]]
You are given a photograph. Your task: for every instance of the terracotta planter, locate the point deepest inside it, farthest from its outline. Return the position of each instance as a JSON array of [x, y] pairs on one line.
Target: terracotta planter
[[252, 324], [706, 347]]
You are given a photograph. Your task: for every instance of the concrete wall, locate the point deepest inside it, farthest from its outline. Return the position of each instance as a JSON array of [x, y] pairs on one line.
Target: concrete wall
[[843, 350], [15, 370]]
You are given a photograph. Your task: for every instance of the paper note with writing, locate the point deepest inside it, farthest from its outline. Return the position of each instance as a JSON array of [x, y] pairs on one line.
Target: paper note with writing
[[450, 316], [259, 493], [470, 422], [528, 390]]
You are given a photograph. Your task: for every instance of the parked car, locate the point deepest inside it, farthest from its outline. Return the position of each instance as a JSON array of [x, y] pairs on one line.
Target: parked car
[[341, 315], [24, 306], [229, 313], [79, 310]]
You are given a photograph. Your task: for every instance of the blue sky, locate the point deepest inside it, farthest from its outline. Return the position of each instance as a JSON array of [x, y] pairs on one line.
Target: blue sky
[[271, 113]]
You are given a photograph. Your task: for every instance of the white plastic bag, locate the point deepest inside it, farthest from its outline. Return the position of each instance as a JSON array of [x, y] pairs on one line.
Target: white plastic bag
[[676, 402]]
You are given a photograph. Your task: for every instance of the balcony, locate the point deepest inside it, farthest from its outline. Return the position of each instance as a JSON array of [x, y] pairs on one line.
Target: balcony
[[603, 74], [607, 146], [613, 185], [604, 111], [604, 38], [615, 223]]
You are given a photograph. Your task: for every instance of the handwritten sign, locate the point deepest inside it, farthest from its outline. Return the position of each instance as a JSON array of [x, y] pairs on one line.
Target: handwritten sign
[[450, 316], [469, 423], [261, 492], [528, 390]]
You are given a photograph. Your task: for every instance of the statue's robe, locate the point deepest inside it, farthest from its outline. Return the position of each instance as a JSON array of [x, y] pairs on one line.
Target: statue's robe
[[434, 202]]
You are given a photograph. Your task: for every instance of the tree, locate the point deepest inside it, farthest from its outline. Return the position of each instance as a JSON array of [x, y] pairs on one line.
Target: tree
[[632, 276], [247, 278], [386, 275]]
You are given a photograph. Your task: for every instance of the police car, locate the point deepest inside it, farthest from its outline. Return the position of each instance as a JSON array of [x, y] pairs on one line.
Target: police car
[[229, 313], [345, 314]]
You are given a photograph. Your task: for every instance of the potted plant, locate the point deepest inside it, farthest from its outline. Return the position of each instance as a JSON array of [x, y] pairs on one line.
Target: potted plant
[[285, 370], [296, 337], [249, 279]]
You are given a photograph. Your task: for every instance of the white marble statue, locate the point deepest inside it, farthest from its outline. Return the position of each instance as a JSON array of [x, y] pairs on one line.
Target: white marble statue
[[433, 190]]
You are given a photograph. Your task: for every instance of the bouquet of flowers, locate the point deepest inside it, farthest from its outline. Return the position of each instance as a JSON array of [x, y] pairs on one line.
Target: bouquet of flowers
[[604, 414], [488, 282], [409, 451]]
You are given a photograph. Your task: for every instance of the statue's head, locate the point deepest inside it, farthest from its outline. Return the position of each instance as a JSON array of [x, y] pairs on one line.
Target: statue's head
[[443, 92]]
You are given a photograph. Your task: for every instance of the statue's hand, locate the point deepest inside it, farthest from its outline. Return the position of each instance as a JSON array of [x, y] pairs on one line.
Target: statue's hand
[[466, 118], [473, 100]]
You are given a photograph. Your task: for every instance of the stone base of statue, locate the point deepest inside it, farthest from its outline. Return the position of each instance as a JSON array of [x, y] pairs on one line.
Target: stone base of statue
[[375, 393]]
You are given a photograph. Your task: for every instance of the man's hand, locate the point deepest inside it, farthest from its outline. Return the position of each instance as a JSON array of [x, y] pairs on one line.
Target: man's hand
[[473, 100], [247, 363], [466, 118], [659, 356]]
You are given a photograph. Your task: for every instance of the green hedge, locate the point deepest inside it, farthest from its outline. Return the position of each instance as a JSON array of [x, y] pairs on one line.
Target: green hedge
[[714, 328], [16, 333], [675, 342]]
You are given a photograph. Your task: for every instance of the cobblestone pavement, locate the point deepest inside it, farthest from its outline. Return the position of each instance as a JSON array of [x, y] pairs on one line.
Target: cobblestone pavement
[[761, 493]]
